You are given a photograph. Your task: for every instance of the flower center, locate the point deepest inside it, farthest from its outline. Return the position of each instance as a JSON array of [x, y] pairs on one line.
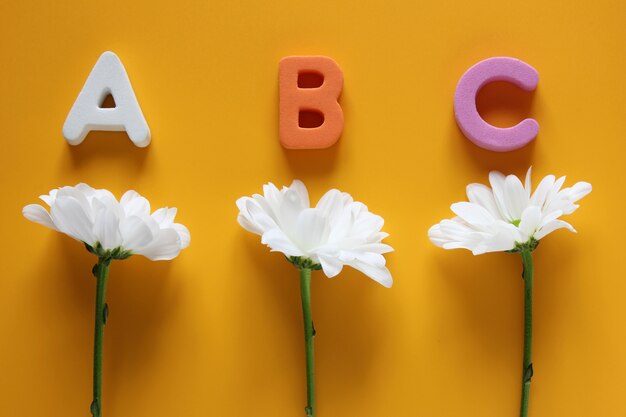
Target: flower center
[[516, 222]]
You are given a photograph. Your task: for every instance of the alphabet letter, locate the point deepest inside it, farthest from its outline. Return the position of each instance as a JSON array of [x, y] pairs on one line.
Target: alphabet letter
[[309, 89], [473, 126], [108, 76]]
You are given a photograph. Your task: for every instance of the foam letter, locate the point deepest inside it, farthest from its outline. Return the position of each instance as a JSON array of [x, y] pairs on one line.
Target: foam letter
[[297, 101], [108, 76], [473, 126]]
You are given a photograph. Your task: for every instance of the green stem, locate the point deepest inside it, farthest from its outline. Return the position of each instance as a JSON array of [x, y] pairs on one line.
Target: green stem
[[101, 271], [309, 332], [527, 373]]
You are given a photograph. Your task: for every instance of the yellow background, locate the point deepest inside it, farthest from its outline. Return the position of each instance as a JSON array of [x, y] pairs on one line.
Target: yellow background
[[218, 331]]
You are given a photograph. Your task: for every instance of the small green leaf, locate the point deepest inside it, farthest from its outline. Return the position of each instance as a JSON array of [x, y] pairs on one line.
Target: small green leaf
[[96, 249], [89, 248], [528, 373], [95, 408], [105, 313]]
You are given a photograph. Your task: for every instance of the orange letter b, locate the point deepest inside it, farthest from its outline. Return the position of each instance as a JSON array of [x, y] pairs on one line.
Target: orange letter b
[[310, 116]]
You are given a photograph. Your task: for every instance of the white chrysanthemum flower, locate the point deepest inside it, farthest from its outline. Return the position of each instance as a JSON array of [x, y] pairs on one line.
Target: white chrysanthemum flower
[[338, 231], [507, 215], [96, 218]]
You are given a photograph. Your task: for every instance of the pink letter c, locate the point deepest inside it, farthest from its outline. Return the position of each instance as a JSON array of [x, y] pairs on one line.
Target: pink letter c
[[472, 125]]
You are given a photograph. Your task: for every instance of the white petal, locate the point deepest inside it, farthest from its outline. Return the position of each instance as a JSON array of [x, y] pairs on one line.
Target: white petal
[[566, 198], [497, 180], [290, 208], [247, 224], [436, 236], [378, 274], [300, 189], [473, 214], [70, 218], [371, 258], [376, 248], [78, 195], [85, 189], [342, 221], [503, 238], [482, 195], [558, 184], [312, 230], [106, 229], [455, 230], [171, 215], [515, 197], [106, 197], [165, 246], [551, 227], [579, 190], [134, 204], [330, 265], [469, 245], [553, 192], [333, 202], [48, 199], [164, 216], [528, 182], [279, 242], [365, 223], [38, 214], [530, 222], [159, 215], [136, 233], [273, 197], [128, 196], [245, 219], [253, 217], [183, 232], [459, 236], [539, 196], [264, 206]]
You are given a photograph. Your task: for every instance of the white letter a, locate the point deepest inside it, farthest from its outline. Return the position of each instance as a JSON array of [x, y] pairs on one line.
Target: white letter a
[[108, 76]]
